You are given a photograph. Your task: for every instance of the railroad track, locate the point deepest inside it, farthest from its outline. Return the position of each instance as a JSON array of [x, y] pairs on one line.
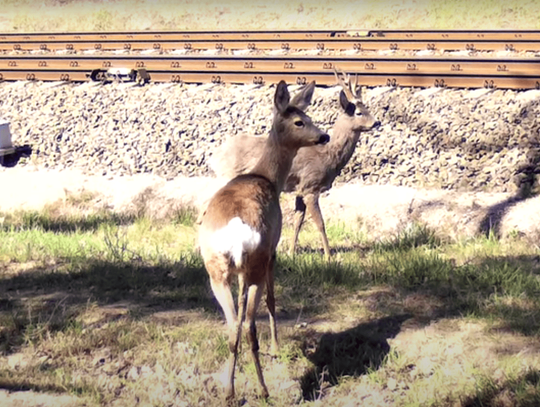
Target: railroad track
[[393, 58], [503, 35]]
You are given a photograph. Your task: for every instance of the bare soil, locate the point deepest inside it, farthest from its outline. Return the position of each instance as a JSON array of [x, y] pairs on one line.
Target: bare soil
[[33, 399], [378, 210]]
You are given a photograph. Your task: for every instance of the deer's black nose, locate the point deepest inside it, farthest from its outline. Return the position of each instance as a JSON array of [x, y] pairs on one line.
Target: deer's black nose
[[325, 138], [376, 124]]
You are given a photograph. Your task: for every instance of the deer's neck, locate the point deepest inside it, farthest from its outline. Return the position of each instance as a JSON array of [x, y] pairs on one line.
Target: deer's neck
[[275, 162], [342, 143]]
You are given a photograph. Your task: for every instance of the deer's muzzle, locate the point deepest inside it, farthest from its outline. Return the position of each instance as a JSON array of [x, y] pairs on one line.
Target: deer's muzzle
[[325, 138]]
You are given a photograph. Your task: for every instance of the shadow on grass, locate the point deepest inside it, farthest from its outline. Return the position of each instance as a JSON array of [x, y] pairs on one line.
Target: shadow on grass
[[21, 322], [44, 300], [50, 298], [308, 284], [349, 353], [64, 224], [27, 385], [523, 391], [502, 288], [505, 289]]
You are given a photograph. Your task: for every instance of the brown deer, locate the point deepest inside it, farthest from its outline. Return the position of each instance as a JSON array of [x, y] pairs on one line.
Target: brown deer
[[241, 226], [314, 169]]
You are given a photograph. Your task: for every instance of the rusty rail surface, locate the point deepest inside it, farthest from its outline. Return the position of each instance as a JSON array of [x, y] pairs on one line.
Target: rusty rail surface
[[286, 44], [503, 35], [177, 57]]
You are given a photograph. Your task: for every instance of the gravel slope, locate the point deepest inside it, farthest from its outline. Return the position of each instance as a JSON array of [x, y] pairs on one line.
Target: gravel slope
[[481, 140]]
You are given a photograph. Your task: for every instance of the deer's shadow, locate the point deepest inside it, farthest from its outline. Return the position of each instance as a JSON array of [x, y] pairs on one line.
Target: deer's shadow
[[348, 353]]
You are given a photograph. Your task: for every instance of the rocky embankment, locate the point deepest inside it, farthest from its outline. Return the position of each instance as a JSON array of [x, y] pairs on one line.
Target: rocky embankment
[[445, 138]]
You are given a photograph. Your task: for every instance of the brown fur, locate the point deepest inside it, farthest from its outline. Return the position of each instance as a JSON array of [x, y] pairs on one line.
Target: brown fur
[[314, 169], [254, 199]]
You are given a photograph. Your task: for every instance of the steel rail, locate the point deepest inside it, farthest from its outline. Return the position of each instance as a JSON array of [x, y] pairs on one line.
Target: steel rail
[[476, 70], [362, 65], [300, 78], [177, 35], [502, 35], [403, 77], [499, 35], [333, 44], [375, 79]]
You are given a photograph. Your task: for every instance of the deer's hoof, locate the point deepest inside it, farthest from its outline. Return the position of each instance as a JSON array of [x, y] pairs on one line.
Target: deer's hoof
[[231, 400]]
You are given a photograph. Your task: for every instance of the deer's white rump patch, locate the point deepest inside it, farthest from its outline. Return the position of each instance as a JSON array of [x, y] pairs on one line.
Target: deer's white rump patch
[[235, 239]]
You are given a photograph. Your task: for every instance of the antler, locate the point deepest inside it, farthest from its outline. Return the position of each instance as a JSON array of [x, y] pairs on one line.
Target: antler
[[352, 92], [357, 88]]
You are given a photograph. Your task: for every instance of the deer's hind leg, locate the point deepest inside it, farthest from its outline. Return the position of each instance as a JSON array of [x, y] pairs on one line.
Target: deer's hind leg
[[222, 291], [254, 293], [271, 305], [312, 202], [299, 215]]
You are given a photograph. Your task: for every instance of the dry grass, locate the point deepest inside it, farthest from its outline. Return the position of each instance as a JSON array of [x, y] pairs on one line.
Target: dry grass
[[118, 312], [99, 15]]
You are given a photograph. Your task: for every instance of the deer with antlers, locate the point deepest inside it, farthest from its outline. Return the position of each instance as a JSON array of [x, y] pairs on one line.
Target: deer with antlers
[[241, 226], [314, 169]]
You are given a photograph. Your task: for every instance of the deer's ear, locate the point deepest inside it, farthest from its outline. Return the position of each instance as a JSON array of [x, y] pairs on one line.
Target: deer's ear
[[303, 98], [281, 98], [347, 106]]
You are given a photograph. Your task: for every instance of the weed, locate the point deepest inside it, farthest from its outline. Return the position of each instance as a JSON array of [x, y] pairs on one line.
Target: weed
[[185, 215], [114, 310], [312, 269], [412, 236]]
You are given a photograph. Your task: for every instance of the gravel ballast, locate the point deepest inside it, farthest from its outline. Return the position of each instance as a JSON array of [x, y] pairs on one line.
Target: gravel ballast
[[472, 140]]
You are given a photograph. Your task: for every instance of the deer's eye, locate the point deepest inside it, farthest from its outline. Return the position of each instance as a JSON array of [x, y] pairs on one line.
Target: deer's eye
[[299, 123]]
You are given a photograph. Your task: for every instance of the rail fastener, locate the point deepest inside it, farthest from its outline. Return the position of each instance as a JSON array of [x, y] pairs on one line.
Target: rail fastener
[[141, 75]]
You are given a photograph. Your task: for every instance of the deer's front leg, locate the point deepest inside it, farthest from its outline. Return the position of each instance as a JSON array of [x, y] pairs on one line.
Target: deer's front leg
[[299, 215], [312, 202]]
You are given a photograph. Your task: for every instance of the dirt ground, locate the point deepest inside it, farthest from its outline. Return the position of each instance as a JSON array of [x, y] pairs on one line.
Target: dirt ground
[[32, 399], [379, 210]]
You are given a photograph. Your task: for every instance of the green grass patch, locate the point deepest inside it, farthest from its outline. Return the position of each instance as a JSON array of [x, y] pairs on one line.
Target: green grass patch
[[48, 221], [412, 236], [113, 311]]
